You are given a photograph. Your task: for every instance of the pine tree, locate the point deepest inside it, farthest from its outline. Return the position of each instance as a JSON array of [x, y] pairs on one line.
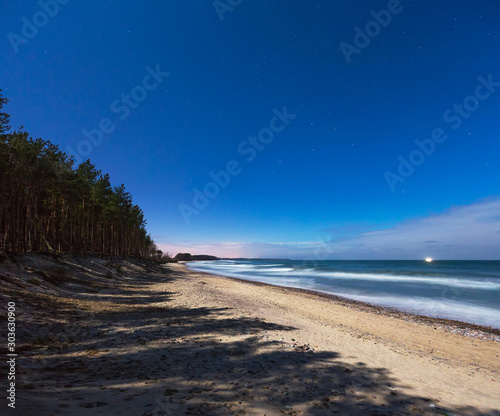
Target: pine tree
[[47, 204]]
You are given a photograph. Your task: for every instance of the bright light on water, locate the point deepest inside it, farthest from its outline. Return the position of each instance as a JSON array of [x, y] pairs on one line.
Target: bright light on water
[[462, 290]]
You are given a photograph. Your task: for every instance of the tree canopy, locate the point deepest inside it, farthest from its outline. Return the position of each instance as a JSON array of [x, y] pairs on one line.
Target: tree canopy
[[47, 203]]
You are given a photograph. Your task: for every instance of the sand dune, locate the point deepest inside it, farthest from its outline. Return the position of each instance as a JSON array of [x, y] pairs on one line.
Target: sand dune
[[130, 337]]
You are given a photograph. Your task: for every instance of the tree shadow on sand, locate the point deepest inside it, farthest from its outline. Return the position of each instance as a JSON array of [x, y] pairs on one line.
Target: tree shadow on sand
[[162, 360]]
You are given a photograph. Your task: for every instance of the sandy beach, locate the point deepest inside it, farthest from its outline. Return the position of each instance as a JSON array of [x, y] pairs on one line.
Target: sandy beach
[[134, 338]]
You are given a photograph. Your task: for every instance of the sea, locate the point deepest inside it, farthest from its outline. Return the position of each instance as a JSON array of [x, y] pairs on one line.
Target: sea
[[467, 291]]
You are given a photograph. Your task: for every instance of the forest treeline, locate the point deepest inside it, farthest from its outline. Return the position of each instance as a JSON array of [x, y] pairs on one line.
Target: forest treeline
[[48, 204]]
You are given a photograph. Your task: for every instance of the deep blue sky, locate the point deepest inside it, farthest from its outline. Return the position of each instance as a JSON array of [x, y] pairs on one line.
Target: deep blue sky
[[322, 178]]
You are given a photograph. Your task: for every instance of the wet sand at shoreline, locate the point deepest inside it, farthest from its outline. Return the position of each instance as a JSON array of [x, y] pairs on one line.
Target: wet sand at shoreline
[[165, 340]]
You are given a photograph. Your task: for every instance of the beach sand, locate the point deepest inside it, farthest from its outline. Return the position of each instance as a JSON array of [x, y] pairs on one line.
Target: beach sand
[[163, 340]]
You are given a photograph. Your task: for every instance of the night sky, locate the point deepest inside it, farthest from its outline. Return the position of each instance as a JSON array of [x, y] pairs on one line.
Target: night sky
[[275, 128]]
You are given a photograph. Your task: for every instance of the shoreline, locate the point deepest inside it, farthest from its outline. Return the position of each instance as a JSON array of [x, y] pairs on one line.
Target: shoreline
[[448, 325], [429, 359], [134, 337]]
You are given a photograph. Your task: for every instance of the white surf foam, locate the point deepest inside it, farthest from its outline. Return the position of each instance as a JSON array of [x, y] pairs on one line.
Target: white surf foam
[[301, 278]]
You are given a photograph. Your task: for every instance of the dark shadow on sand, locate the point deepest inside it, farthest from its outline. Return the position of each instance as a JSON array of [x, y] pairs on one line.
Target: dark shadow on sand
[[168, 348]]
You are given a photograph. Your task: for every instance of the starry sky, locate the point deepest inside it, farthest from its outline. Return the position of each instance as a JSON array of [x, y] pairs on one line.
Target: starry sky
[[273, 128]]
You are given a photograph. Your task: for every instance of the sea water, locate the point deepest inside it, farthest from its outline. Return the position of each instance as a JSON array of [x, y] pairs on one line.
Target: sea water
[[466, 291]]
